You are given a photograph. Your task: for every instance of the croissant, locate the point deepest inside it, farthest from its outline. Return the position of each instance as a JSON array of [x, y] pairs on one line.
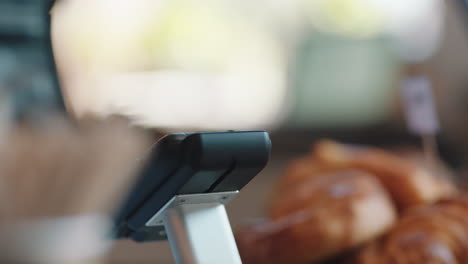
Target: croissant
[[433, 234], [334, 199], [318, 219], [299, 170], [409, 184]]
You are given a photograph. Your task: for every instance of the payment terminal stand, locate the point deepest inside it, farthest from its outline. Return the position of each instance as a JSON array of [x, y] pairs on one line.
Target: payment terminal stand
[[181, 193], [187, 178]]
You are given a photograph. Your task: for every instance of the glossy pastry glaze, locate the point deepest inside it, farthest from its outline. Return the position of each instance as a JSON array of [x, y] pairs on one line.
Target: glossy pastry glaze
[[339, 197]]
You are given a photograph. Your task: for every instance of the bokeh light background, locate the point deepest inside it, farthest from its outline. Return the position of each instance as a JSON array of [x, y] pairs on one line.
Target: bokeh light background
[[223, 64]]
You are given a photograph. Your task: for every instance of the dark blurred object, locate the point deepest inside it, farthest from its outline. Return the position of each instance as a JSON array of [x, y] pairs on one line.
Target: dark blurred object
[[27, 69], [185, 164], [464, 4]]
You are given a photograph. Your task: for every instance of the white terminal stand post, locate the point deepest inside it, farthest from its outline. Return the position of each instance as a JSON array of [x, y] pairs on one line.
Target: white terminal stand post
[[198, 229]]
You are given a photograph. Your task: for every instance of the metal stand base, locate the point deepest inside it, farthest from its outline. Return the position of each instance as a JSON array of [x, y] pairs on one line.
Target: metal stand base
[[200, 233]]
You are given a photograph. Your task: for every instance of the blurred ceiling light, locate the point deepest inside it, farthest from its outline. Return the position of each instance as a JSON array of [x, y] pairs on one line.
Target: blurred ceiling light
[[100, 34], [210, 36], [178, 100], [347, 17], [191, 65], [416, 24]]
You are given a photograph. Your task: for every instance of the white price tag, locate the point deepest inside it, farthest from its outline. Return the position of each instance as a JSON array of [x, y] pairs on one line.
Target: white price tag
[[418, 101]]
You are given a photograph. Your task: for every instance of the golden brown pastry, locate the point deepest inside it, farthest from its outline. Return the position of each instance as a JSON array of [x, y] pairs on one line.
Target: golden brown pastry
[[408, 183], [299, 170], [433, 234], [334, 199], [319, 218]]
